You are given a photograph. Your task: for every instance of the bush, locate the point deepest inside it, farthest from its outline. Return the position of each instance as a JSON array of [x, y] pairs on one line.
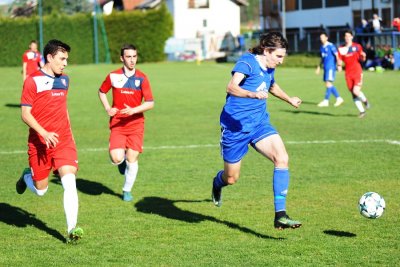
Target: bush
[[147, 30]]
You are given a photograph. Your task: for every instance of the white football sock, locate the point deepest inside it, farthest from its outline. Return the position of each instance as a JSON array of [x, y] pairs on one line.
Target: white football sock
[[70, 200], [130, 175], [29, 183], [362, 97], [359, 104]]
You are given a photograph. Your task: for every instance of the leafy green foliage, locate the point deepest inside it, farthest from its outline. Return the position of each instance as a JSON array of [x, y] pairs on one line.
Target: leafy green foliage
[[147, 30]]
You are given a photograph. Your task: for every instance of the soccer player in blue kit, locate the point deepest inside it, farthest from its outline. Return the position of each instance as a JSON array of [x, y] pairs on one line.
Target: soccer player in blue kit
[[329, 59], [244, 120]]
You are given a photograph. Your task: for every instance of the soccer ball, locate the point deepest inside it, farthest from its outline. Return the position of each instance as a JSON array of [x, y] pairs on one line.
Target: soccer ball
[[371, 205]]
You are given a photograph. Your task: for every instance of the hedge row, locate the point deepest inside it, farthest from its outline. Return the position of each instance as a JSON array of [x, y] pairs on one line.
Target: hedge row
[[147, 30]]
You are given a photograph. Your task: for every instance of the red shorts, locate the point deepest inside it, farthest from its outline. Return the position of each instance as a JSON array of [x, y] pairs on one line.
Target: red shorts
[[43, 159], [354, 80], [131, 138]]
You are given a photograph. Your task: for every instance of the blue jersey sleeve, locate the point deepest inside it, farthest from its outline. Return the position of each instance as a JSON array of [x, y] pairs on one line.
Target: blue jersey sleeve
[[242, 67]]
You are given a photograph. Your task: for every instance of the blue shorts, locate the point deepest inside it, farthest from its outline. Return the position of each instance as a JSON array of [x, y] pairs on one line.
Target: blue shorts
[[234, 145], [329, 75]]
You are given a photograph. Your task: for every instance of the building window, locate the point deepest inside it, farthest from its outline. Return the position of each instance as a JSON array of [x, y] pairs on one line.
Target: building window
[[309, 4], [290, 5], [198, 4], [333, 3]]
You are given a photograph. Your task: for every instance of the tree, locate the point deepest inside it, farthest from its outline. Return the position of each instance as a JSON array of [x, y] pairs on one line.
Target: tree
[[53, 6]]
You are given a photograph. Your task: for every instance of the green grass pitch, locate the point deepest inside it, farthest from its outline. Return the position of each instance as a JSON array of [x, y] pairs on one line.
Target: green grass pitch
[[334, 158]]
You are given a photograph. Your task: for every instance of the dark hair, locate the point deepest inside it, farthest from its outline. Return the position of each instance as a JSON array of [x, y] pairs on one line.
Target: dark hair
[[323, 33], [53, 46], [270, 41], [349, 32], [33, 41], [127, 47]]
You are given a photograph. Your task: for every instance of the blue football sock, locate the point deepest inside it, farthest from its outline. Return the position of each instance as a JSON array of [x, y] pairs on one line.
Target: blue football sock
[[280, 186], [218, 181], [328, 93], [335, 91]]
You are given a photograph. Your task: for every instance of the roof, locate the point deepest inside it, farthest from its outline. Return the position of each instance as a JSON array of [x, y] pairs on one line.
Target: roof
[[149, 4], [241, 2]]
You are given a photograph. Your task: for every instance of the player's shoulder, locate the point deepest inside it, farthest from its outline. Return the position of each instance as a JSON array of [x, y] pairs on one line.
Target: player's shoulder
[[140, 73], [32, 78], [331, 45], [359, 45], [117, 71], [36, 73], [248, 59]]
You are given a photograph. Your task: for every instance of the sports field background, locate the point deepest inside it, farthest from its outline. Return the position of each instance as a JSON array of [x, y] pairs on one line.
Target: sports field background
[[334, 158]]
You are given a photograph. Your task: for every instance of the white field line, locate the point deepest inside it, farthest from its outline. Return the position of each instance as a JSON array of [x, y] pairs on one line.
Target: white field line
[[316, 142]]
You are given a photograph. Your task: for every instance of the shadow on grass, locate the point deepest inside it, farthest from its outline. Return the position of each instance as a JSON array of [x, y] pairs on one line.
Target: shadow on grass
[[319, 113], [12, 105], [90, 187], [339, 233], [166, 208], [309, 103], [21, 218]]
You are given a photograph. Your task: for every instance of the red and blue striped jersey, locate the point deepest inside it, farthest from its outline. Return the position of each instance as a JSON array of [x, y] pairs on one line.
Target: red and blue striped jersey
[[127, 90], [47, 96]]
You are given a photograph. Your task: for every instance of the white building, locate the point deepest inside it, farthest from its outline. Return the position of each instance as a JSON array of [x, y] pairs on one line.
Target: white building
[[200, 26], [302, 19]]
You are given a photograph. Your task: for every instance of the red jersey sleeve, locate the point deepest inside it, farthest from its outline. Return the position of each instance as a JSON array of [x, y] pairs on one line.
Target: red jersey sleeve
[[360, 51], [24, 57], [28, 92], [106, 85], [146, 90]]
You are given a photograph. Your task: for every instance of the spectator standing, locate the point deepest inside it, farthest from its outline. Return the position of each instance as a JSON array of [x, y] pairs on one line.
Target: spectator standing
[[376, 23]]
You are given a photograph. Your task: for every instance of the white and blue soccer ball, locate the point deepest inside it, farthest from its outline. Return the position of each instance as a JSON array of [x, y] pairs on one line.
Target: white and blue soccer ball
[[371, 205]]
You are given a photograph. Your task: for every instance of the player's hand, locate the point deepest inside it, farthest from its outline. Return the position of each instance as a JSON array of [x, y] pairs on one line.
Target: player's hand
[[127, 110], [112, 111], [259, 95], [51, 139], [295, 101], [317, 70]]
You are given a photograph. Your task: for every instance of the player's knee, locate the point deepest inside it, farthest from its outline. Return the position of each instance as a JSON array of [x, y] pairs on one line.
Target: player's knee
[[232, 178], [116, 160], [281, 160]]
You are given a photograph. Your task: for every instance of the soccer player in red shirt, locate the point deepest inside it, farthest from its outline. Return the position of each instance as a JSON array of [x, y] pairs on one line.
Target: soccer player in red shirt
[[132, 96], [351, 53], [50, 143], [31, 60]]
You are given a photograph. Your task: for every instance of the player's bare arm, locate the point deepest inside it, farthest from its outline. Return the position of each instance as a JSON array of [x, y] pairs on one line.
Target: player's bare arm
[[363, 56], [317, 71], [24, 70], [110, 111], [338, 62], [51, 138], [276, 91], [234, 89], [145, 106]]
